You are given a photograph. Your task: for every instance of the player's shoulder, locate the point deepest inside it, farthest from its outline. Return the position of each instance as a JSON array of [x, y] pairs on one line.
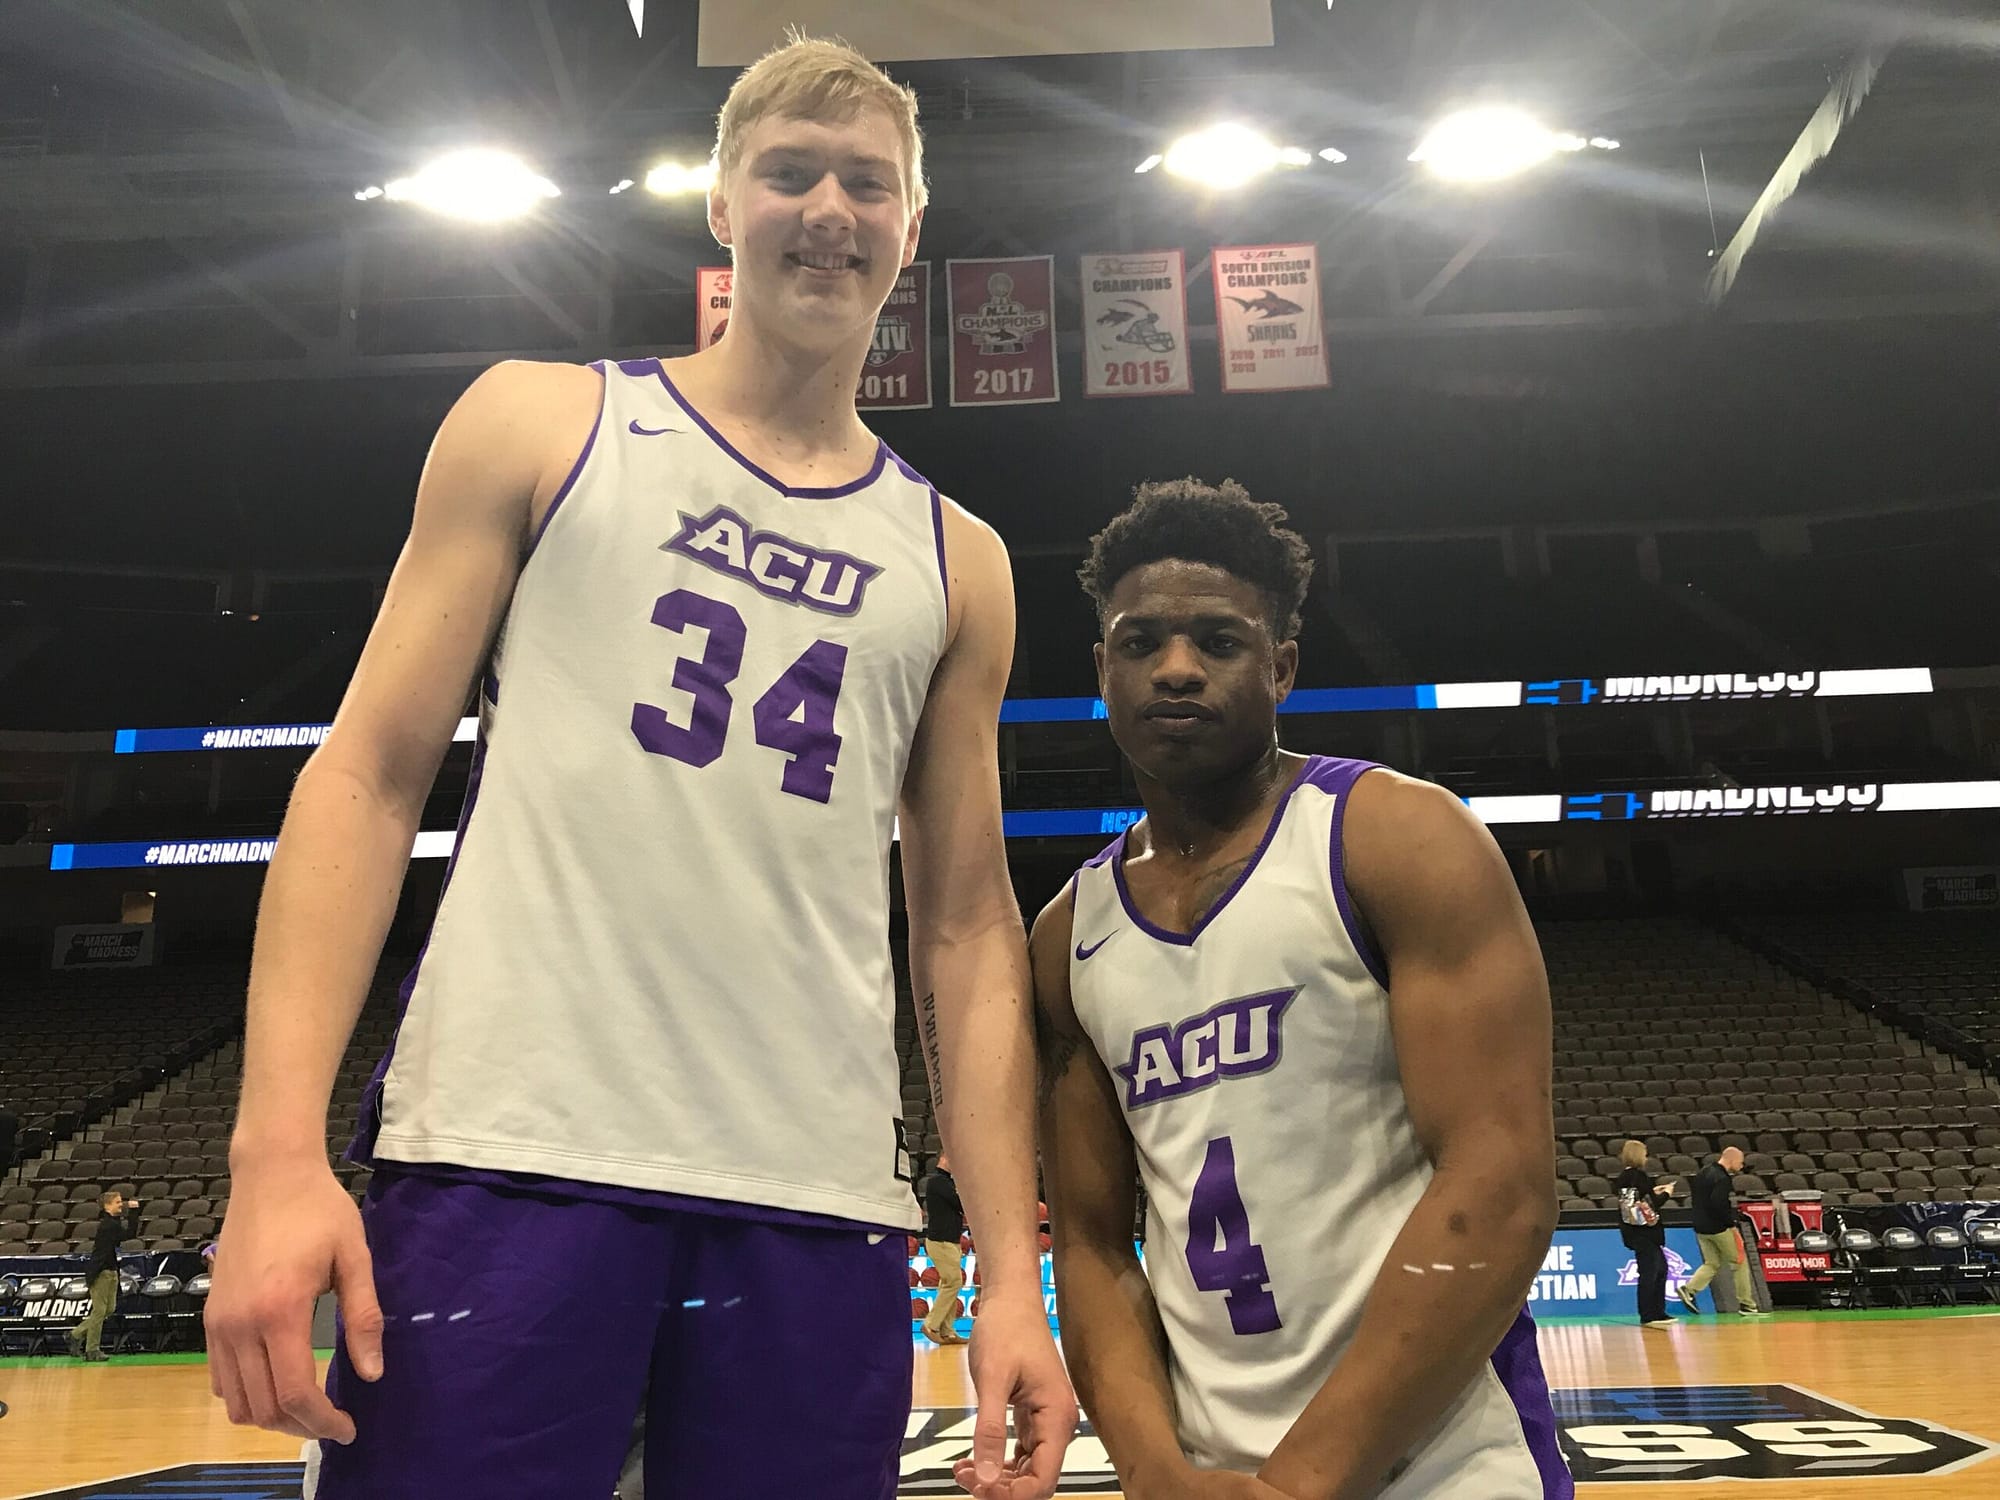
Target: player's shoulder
[[522, 404], [518, 383], [1385, 805], [1052, 926]]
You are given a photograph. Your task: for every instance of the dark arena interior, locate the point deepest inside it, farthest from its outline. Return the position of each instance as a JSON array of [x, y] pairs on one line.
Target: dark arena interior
[[1643, 422]]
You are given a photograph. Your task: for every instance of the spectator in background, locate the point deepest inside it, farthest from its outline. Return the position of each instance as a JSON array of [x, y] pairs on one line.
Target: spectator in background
[[118, 1223], [1715, 1232], [944, 1222], [1641, 1223]]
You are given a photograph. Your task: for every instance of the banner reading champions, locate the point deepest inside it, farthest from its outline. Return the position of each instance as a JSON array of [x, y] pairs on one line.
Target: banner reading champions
[[1267, 316], [713, 288], [897, 376], [1003, 331], [1135, 325]]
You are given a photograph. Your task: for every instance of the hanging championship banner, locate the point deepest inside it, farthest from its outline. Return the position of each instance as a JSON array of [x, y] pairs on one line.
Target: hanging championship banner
[[1003, 331], [712, 288], [1267, 317], [1135, 325], [897, 376]]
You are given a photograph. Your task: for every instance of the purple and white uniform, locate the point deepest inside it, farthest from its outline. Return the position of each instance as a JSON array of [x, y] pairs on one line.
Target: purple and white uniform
[[1257, 1073], [662, 956], [640, 1128]]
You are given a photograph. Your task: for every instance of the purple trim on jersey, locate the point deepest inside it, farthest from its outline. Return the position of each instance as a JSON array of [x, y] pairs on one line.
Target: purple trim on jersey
[[1519, 1365], [937, 529], [790, 492], [362, 1148], [937, 516], [574, 1190], [1113, 850], [576, 469], [1186, 939], [1337, 777]]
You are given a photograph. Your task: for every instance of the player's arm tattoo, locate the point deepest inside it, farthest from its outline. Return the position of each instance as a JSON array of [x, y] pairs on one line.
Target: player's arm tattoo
[[927, 1038], [1054, 1049]]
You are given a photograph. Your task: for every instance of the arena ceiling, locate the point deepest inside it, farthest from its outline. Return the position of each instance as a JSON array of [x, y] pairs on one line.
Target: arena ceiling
[[177, 210]]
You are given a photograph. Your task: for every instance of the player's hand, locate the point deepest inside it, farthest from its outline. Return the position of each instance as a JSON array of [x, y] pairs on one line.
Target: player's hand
[[1015, 1364], [292, 1233]]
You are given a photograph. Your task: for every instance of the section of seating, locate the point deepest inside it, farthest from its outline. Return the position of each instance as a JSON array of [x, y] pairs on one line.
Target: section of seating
[[1672, 1033], [76, 1045], [1935, 974], [172, 1151]]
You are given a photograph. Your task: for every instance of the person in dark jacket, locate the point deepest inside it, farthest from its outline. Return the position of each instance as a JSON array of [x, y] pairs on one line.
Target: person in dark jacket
[[1642, 1205], [118, 1223], [944, 1222], [1715, 1232]]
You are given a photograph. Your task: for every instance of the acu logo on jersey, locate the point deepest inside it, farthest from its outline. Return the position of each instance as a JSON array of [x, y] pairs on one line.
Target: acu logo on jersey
[[830, 582], [1232, 1040]]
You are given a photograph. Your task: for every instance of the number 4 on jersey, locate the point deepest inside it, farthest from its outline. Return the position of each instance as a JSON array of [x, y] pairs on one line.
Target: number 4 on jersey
[[1220, 1253]]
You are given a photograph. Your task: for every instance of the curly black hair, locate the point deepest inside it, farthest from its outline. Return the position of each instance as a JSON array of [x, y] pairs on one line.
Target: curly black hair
[[1196, 522]]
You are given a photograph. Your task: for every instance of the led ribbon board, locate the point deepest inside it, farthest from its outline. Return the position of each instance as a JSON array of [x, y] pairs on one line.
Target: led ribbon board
[[1804, 799], [1554, 692]]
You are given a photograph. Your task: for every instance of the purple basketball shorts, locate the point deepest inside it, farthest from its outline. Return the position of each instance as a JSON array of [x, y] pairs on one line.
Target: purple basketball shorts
[[523, 1333]]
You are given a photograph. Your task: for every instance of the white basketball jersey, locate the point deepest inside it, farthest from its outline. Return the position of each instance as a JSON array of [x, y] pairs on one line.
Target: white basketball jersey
[[661, 960], [1254, 1063]]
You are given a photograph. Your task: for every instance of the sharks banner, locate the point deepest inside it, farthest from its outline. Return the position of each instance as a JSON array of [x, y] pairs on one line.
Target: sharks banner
[[1135, 325], [1267, 314]]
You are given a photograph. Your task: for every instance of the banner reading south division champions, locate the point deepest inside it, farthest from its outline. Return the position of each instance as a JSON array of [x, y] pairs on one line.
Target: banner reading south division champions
[[714, 289], [1267, 317], [897, 376], [1003, 331], [1135, 325]]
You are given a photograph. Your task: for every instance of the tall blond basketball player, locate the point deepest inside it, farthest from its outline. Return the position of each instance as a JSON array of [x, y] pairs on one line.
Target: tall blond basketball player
[[639, 1127], [1302, 998]]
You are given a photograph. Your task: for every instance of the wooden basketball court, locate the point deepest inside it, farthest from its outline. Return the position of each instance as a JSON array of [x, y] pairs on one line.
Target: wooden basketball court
[[73, 1425]]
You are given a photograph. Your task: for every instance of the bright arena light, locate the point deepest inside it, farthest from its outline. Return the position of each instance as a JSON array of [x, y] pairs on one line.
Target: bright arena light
[[485, 186], [1149, 163], [670, 179], [1222, 156], [1486, 145]]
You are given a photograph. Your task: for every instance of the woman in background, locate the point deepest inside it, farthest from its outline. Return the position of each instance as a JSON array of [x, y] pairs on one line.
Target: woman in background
[[1640, 1204]]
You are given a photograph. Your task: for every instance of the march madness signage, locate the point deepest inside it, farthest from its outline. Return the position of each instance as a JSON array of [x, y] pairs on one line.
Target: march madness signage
[[714, 288], [1678, 1434], [1954, 888], [1135, 325], [1267, 316], [1003, 331], [897, 376], [110, 945]]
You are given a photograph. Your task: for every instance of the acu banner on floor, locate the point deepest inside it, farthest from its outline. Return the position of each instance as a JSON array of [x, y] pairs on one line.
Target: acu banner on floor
[[1135, 325], [713, 288], [1003, 331], [897, 376], [1267, 317]]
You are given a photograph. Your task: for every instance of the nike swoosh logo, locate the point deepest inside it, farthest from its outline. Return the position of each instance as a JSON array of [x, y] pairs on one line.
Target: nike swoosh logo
[[1083, 953], [636, 430]]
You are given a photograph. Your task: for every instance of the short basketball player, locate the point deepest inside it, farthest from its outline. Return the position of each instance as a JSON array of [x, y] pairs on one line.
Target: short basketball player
[[1301, 995], [639, 1129]]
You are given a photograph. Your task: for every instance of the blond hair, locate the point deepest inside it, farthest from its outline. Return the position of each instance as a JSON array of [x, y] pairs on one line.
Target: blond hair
[[819, 78], [1632, 1154]]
